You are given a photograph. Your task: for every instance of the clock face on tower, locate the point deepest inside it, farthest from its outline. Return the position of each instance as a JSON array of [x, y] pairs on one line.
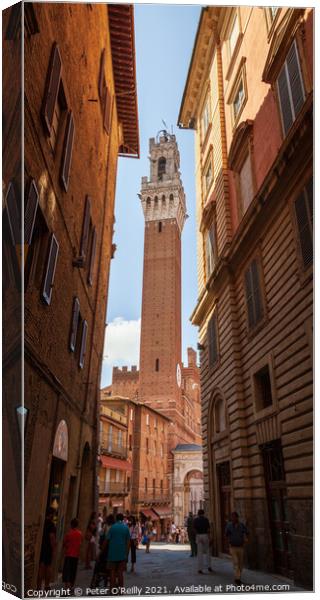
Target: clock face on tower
[[178, 375]]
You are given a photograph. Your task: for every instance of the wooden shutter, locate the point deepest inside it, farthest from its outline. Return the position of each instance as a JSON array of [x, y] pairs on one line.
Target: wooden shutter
[[83, 344], [213, 341], [50, 269], [102, 80], [107, 111], [283, 89], [92, 255], [52, 87], [74, 324], [305, 227], [13, 214], [30, 212], [294, 73], [85, 227], [67, 151]]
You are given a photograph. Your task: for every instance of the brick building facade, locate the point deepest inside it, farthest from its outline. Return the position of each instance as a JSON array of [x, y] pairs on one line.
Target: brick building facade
[[75, 125], [249, 96]]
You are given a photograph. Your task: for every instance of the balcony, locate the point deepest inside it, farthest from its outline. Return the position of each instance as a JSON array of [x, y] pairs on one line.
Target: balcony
[[113, 488], [107, 447]]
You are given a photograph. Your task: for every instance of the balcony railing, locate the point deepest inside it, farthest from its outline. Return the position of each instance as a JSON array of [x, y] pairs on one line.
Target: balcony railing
[[107, 447], [113, 487]]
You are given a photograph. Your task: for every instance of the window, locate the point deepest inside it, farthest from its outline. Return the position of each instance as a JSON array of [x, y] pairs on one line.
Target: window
[[238, 99], [110, 439], [75, 322], [290, 88], [304, 216], [246, 185], [219, 415], [155, 447], [262, 387], [130, 442], [128, 484], [147, 419], [147, 445], [159, 227], [271, 13], [157, 364], [205, 118], [208, 174], [161, 167], [83, 344], [253, 294], [120, 438], [52, 258], [131, 414], [146, 485], [155, 423], [154, 488], [210, 250], [233, 35], [212, 335], [161, 487], [161, 450]]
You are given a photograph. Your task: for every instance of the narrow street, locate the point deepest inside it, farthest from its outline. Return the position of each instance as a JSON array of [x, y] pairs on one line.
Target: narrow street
[[169, 569]]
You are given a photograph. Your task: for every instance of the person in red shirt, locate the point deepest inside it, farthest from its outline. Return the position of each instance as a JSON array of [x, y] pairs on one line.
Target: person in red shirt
[[71, 544]]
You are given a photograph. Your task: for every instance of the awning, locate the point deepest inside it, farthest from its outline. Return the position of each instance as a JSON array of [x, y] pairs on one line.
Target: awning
[[147, 512], [163, 511], [108, 462]]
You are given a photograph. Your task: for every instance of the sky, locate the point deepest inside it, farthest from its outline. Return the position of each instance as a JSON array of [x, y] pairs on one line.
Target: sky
[[164, 37]]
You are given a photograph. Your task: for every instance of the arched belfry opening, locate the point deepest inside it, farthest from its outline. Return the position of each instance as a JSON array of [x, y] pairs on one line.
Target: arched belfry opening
[[161, 166]]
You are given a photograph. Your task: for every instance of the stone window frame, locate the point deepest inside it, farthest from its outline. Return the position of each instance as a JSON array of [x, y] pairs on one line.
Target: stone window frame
[[273, 409], [271, 19], [206, 234], [242, 147], [276, 86], [204, 135], [240, 78], [216, 436], [232, 53], [216, 364]]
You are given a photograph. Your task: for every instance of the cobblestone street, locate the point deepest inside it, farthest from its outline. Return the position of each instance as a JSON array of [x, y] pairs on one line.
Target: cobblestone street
[[169, 569]]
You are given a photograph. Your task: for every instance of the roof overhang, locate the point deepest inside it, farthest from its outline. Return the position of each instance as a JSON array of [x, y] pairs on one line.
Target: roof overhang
[[199, 65], [121, 27]]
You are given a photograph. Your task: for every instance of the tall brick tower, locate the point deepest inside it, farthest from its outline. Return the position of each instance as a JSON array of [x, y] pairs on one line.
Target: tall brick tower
[[164, 208]]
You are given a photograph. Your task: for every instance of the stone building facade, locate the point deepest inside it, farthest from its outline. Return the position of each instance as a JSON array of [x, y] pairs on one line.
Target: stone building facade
[[249, 96], [75, 126]]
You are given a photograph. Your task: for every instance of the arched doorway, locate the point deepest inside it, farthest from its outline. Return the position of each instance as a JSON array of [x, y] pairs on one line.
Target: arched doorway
[[193, 492]]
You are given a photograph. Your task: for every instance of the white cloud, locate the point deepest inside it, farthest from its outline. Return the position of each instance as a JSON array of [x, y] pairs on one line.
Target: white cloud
[[122, 343]]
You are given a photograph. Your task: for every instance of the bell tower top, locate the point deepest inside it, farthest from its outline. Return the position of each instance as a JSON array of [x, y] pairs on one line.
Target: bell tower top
[[162, 196]]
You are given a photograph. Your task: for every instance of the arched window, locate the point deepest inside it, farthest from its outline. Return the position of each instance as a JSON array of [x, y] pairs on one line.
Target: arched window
[[161, 166], [163, 199], [156, 199], [219, 415], [148, 201], [171, 197]]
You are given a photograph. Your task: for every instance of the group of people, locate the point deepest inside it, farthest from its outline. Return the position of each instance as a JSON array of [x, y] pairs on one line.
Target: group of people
[[175, 534], [109, 541], [200, 539]]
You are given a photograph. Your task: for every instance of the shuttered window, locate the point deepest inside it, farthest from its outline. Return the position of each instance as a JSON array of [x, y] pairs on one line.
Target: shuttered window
[[107, 110], [246, 187], [67, 151], [50, 269], [85, 228], [13, 214], [210, 250], [30, 212], [290, 88], [92, 255], [74, 324], [52, 88], [212, 334], [83, 344], [102, 79], [253, 294], [304, 216]]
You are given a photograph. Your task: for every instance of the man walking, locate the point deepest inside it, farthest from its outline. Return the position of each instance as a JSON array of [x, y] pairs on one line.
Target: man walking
[[191, 535], [201, 527], [118, 538], [237, 535]]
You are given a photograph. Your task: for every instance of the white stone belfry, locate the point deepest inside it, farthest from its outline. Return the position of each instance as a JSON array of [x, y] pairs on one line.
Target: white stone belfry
[[162, 196]]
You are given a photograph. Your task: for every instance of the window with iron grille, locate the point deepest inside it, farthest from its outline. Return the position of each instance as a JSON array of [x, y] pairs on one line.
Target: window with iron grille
[[290, 88], [304, 216], [212, 334], [253, 294]]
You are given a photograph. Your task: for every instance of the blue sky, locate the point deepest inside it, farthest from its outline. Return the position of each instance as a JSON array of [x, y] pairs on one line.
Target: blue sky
[[164, 36]]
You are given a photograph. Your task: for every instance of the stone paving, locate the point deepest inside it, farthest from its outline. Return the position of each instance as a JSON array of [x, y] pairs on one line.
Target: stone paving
[[169, 569]]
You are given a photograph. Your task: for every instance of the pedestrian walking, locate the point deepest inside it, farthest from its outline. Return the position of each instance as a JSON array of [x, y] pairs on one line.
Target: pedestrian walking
[[191, 535], [237, 535], [48, 547], [148, 532], [201, 527], [118, 538], [173, 531], [134, 536], [71, 545], [101, 566], [91, 533]]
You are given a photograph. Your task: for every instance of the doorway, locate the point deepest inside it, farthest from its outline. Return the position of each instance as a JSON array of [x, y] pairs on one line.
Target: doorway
[[277, 507], [224, 486]]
